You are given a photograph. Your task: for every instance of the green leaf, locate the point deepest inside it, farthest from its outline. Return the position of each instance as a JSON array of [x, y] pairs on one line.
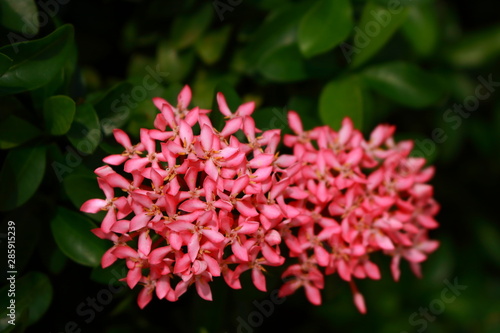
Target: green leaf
[[324, 26], [61, 84], [39, 295], [58, 112], [187, 29], [115, 106], [404, 83], [15, 131], [421, 27], [460, 84], [52, 256], [72, 234], [36, 62], [211, 47], [87, 188], [85, 132], [171, 93], [373, 113], [271, 118], [279, 29], [5, 63], [342, 98], [284, 64], [137, 66], [21, 174], [143, 116], [20, 16], [322, 67], [178, 63], [376, 27], [204, 86], [33, 295], [304, 106], [476, 49]]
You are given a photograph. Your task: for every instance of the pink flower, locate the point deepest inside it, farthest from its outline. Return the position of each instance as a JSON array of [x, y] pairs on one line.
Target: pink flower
[[199, 197], [354, 198], [305, 275], [190, 203], [115, 207], [130, 151]]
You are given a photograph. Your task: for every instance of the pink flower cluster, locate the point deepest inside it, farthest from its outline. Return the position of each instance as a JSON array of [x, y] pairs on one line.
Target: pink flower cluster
[[198, 203], [354, 197]]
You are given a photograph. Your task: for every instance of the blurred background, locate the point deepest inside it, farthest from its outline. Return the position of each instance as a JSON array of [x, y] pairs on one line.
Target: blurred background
[[430, 67]]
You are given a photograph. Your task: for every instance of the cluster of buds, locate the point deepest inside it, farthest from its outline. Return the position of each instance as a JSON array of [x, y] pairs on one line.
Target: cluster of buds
[[191, 202]]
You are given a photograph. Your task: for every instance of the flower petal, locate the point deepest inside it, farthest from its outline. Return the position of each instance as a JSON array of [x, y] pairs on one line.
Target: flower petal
[[313, 294], [122, 138], [93, 206], [221, 101], [133, 276], [115, 159], [258, 279], [203, 289], [184, 97], [145, 296], [295, 122]]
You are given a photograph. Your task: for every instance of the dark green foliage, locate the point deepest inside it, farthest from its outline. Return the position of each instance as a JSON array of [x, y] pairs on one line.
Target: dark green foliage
[[71, 71]]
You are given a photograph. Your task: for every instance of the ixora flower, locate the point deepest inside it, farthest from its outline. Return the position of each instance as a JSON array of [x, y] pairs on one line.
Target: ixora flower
[[202, 202]]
